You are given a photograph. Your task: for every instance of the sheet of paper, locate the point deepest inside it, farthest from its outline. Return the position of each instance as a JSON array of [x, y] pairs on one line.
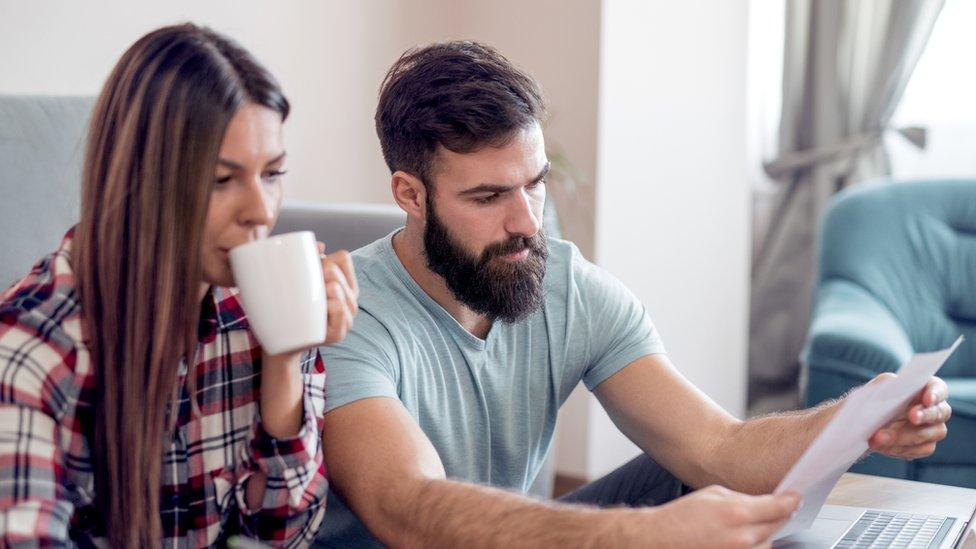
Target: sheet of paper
[[845, 438]]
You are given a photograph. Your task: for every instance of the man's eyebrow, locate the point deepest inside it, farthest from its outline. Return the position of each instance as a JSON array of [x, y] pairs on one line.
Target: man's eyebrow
[[235, 166], [542, 175], [486, 188], [495, 188]]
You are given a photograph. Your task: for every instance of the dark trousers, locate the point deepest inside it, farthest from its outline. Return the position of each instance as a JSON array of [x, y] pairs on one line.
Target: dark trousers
[[640, 482]]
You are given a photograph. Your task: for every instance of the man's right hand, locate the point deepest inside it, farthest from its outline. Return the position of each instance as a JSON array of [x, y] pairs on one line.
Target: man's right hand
[[711, 517]]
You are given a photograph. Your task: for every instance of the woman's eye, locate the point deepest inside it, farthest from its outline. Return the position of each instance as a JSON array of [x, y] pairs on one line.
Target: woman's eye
[[274, 175], [223, 180]]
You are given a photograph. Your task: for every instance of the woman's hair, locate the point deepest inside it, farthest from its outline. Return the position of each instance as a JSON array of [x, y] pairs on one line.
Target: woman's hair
[[152, 149]]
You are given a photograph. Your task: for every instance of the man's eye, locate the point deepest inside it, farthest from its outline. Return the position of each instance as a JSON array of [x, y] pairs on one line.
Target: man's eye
[[536, 185], [487, 199]]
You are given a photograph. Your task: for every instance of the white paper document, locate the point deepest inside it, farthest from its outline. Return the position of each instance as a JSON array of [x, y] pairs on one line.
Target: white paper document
[[845, 438]]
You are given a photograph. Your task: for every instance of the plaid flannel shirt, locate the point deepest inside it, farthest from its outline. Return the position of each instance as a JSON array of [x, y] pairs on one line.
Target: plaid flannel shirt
[[46, 416]]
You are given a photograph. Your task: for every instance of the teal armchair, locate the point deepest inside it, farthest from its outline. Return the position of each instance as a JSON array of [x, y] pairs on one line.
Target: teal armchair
[[897, 276]]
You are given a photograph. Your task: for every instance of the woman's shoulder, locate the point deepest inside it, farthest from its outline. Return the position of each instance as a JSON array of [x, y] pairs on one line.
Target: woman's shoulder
[[43, 360]]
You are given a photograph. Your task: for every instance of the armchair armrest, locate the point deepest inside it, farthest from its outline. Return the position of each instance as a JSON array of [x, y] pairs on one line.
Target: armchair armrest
[[852, 338]]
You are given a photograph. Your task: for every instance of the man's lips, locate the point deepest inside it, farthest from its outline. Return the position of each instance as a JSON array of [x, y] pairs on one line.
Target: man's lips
[[516, 256]]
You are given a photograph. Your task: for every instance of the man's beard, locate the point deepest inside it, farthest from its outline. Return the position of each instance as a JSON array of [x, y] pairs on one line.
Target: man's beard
[[493, 287]]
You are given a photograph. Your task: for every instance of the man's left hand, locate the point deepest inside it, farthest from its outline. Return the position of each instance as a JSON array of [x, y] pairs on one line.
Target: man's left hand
[[915, 433]]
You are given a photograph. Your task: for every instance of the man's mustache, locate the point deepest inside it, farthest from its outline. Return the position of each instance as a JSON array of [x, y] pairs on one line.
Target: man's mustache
[[512, 245]]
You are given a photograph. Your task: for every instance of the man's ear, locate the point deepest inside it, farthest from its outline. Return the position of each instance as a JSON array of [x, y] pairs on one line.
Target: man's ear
[[410, 194]]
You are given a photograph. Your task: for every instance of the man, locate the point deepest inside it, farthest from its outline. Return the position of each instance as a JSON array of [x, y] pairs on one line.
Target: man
[[474, 329]]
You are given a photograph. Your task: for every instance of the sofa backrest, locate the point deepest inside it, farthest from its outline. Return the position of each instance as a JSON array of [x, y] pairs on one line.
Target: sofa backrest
[[341, 226], [42, 143], [41, 149]]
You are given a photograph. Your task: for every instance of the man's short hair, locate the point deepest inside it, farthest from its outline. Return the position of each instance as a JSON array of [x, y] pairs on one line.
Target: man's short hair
[[461, 95]]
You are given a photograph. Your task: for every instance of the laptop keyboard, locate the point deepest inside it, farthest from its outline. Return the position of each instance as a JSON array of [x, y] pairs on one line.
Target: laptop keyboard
[[898, 530]]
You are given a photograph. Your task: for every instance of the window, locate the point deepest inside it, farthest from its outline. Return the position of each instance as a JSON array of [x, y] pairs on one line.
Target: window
[[941, 96]]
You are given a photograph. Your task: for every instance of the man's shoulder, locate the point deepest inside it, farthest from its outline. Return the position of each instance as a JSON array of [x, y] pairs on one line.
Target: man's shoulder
[[375, 249], [384, 295], [566, 266], [560, 249], [571, 278], [372, 264]]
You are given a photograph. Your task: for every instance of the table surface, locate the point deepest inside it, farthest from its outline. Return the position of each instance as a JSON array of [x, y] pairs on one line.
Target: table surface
[[906, 495]]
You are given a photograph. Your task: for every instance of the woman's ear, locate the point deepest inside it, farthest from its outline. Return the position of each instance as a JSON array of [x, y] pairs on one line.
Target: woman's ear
[[410, 194]]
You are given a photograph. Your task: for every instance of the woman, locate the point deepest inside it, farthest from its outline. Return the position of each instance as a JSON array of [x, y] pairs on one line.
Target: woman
[[136, 407]]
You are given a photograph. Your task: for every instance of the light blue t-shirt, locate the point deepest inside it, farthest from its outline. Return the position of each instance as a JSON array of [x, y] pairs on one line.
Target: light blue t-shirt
[[488, 406]]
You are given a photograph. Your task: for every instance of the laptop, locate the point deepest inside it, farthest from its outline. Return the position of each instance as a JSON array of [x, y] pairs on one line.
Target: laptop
[[843, 527]]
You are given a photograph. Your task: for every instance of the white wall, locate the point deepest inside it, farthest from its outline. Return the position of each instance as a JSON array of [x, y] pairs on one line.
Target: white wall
[[329, 57], [558, 42], [672, 193]]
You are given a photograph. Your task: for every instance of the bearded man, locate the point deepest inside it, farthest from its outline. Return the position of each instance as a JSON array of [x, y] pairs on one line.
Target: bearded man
[[474, 328]]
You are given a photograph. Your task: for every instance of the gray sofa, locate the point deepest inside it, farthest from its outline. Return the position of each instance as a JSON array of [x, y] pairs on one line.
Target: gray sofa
[[41, 149]]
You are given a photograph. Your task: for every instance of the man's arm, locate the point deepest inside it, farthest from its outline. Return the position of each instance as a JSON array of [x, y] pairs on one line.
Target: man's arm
[[702, 444], [391, 477]]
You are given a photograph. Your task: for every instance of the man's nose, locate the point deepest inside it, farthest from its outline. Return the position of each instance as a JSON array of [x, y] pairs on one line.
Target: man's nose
[[522, 218]]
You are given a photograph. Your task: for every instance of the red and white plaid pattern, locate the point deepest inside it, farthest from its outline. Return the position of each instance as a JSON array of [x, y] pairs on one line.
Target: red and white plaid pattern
[[46, 419]]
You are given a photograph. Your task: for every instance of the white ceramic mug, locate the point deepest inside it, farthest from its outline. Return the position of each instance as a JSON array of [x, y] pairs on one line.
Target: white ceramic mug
[[282, 290]]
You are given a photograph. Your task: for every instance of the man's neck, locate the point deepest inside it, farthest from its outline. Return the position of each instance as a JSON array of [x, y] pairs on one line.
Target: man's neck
[[409, 248]]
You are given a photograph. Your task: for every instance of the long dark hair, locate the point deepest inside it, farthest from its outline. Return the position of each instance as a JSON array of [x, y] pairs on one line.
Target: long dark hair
[[148, 172]]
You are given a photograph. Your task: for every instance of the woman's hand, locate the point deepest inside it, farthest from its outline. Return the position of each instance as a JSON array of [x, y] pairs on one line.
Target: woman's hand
[[341, 291], [281, 377]]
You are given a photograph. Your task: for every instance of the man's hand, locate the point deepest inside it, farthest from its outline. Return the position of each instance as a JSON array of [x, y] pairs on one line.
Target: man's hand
[[915, 433], [717, 517], [341, 291]]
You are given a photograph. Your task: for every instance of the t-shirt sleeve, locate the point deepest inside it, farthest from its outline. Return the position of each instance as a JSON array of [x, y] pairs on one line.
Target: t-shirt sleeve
[[619, 329], [362, 365]]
